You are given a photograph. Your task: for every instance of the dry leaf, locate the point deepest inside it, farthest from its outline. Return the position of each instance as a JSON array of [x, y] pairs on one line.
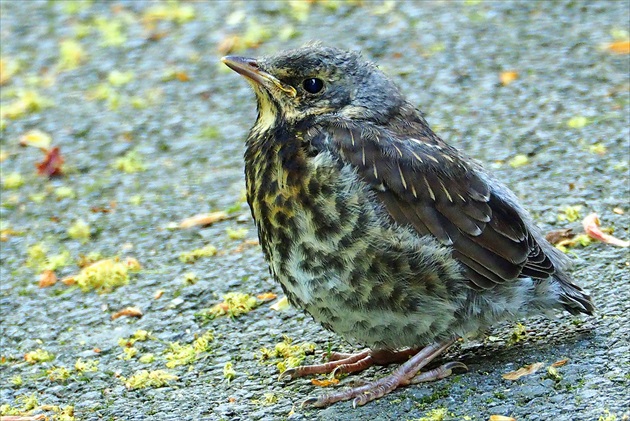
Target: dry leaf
[[246, 244], [182, 76], [132, 264], [508, 77], [158, 294], [267, 296], [37, 139], [325, 382], [556, 236], [47, 279], [591, 227], [619, 47], [203, 219], [501, 418], [618, 211], [128, 312], [523, 371], [68, 280], [281, 305], [50, 166], [560, 363]]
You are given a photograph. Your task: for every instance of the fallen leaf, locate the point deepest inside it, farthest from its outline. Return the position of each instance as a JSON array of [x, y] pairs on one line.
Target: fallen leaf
[[619, 47], [37, 139], [267, 296], [246, 244], [556, 236], [618, 211], [128, 312], [508, 77], [523, 371], [203, 219], [68, 280], [325, 382], [50, 166], [158, 294], [47, 279], [518, 161], [501, 418], [281, 305], [591, 226], [560, 363]]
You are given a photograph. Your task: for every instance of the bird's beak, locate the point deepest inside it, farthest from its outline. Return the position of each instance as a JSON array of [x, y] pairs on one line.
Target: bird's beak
[[248, 67]]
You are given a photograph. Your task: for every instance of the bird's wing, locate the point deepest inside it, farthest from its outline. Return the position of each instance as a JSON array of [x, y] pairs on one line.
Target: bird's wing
[[428, 186]]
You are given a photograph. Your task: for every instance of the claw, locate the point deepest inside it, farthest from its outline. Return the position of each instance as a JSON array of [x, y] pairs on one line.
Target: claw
[[309, 402], [335, 372], [455, 365], [360, 400], [289, 372]]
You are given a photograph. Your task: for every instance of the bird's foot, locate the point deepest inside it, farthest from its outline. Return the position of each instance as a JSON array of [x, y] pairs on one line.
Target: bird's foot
[[349, 363], [407, 373]]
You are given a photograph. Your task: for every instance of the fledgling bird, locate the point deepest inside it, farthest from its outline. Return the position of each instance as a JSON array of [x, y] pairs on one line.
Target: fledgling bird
[[377, 228]]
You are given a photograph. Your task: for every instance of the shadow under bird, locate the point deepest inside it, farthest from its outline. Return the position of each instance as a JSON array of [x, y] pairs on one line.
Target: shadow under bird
[[377, 228]]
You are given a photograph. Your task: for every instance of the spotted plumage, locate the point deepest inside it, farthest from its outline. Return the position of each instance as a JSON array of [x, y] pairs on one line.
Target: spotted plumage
[[374, 225]]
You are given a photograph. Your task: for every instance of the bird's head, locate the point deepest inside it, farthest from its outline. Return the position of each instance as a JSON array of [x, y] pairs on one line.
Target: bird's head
[[316, 80]]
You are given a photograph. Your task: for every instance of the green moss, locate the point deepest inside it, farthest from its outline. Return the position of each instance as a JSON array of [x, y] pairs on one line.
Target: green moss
[[234, 304], [144, 378], [80, 230], [228, 371], [437, 394], [38, 356], [178, 354], [193, 255], [103, 276], [12, 180], [292, 355], [131, 162]]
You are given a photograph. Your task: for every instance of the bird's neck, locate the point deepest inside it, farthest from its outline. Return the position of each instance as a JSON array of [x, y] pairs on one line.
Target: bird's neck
[[275, 166]]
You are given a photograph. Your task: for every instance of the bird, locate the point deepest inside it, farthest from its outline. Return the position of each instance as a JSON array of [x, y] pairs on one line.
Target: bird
[[381, 231]]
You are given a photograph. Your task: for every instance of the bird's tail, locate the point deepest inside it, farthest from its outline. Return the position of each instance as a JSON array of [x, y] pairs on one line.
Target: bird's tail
[[572, 297]]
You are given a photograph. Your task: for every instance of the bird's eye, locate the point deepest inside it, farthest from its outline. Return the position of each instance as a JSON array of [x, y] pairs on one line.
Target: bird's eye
[[313, 85]]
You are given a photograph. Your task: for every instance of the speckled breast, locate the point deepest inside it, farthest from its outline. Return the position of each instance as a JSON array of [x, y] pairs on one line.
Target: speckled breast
[[337, 257]]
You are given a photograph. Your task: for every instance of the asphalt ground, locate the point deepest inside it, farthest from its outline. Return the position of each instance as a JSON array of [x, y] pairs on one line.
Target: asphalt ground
[[138, 86]]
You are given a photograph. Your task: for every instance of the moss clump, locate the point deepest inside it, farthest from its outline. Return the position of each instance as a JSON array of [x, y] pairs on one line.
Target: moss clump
[[58, 374], [80, 230], [193, 255], [228, 371], [13, 180], [144, 378], [187, 354], [131, 162], [233, 305], [106, 275], [570, 213], [38, 356], [292, 355]]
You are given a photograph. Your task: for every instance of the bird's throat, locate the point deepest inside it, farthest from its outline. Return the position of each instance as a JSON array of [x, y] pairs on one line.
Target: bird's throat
[[267, 114]]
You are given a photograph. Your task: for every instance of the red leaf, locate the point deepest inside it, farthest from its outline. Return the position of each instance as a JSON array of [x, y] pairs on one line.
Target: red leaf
[[50, 166]]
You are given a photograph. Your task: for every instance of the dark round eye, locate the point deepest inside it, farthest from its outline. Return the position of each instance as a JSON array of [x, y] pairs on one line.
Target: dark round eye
[[313, 85]]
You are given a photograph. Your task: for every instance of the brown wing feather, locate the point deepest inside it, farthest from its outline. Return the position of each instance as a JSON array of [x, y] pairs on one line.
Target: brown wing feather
[[428, 186]]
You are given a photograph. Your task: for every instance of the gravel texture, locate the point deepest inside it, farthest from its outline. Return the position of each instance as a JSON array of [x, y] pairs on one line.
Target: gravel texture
[[186, 117]]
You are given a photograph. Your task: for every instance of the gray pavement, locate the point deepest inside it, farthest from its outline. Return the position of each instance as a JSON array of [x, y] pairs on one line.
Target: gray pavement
[[186, 117]]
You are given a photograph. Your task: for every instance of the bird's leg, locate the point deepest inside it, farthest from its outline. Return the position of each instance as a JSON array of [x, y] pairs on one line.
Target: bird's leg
[[406, 374], [349, 363]]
